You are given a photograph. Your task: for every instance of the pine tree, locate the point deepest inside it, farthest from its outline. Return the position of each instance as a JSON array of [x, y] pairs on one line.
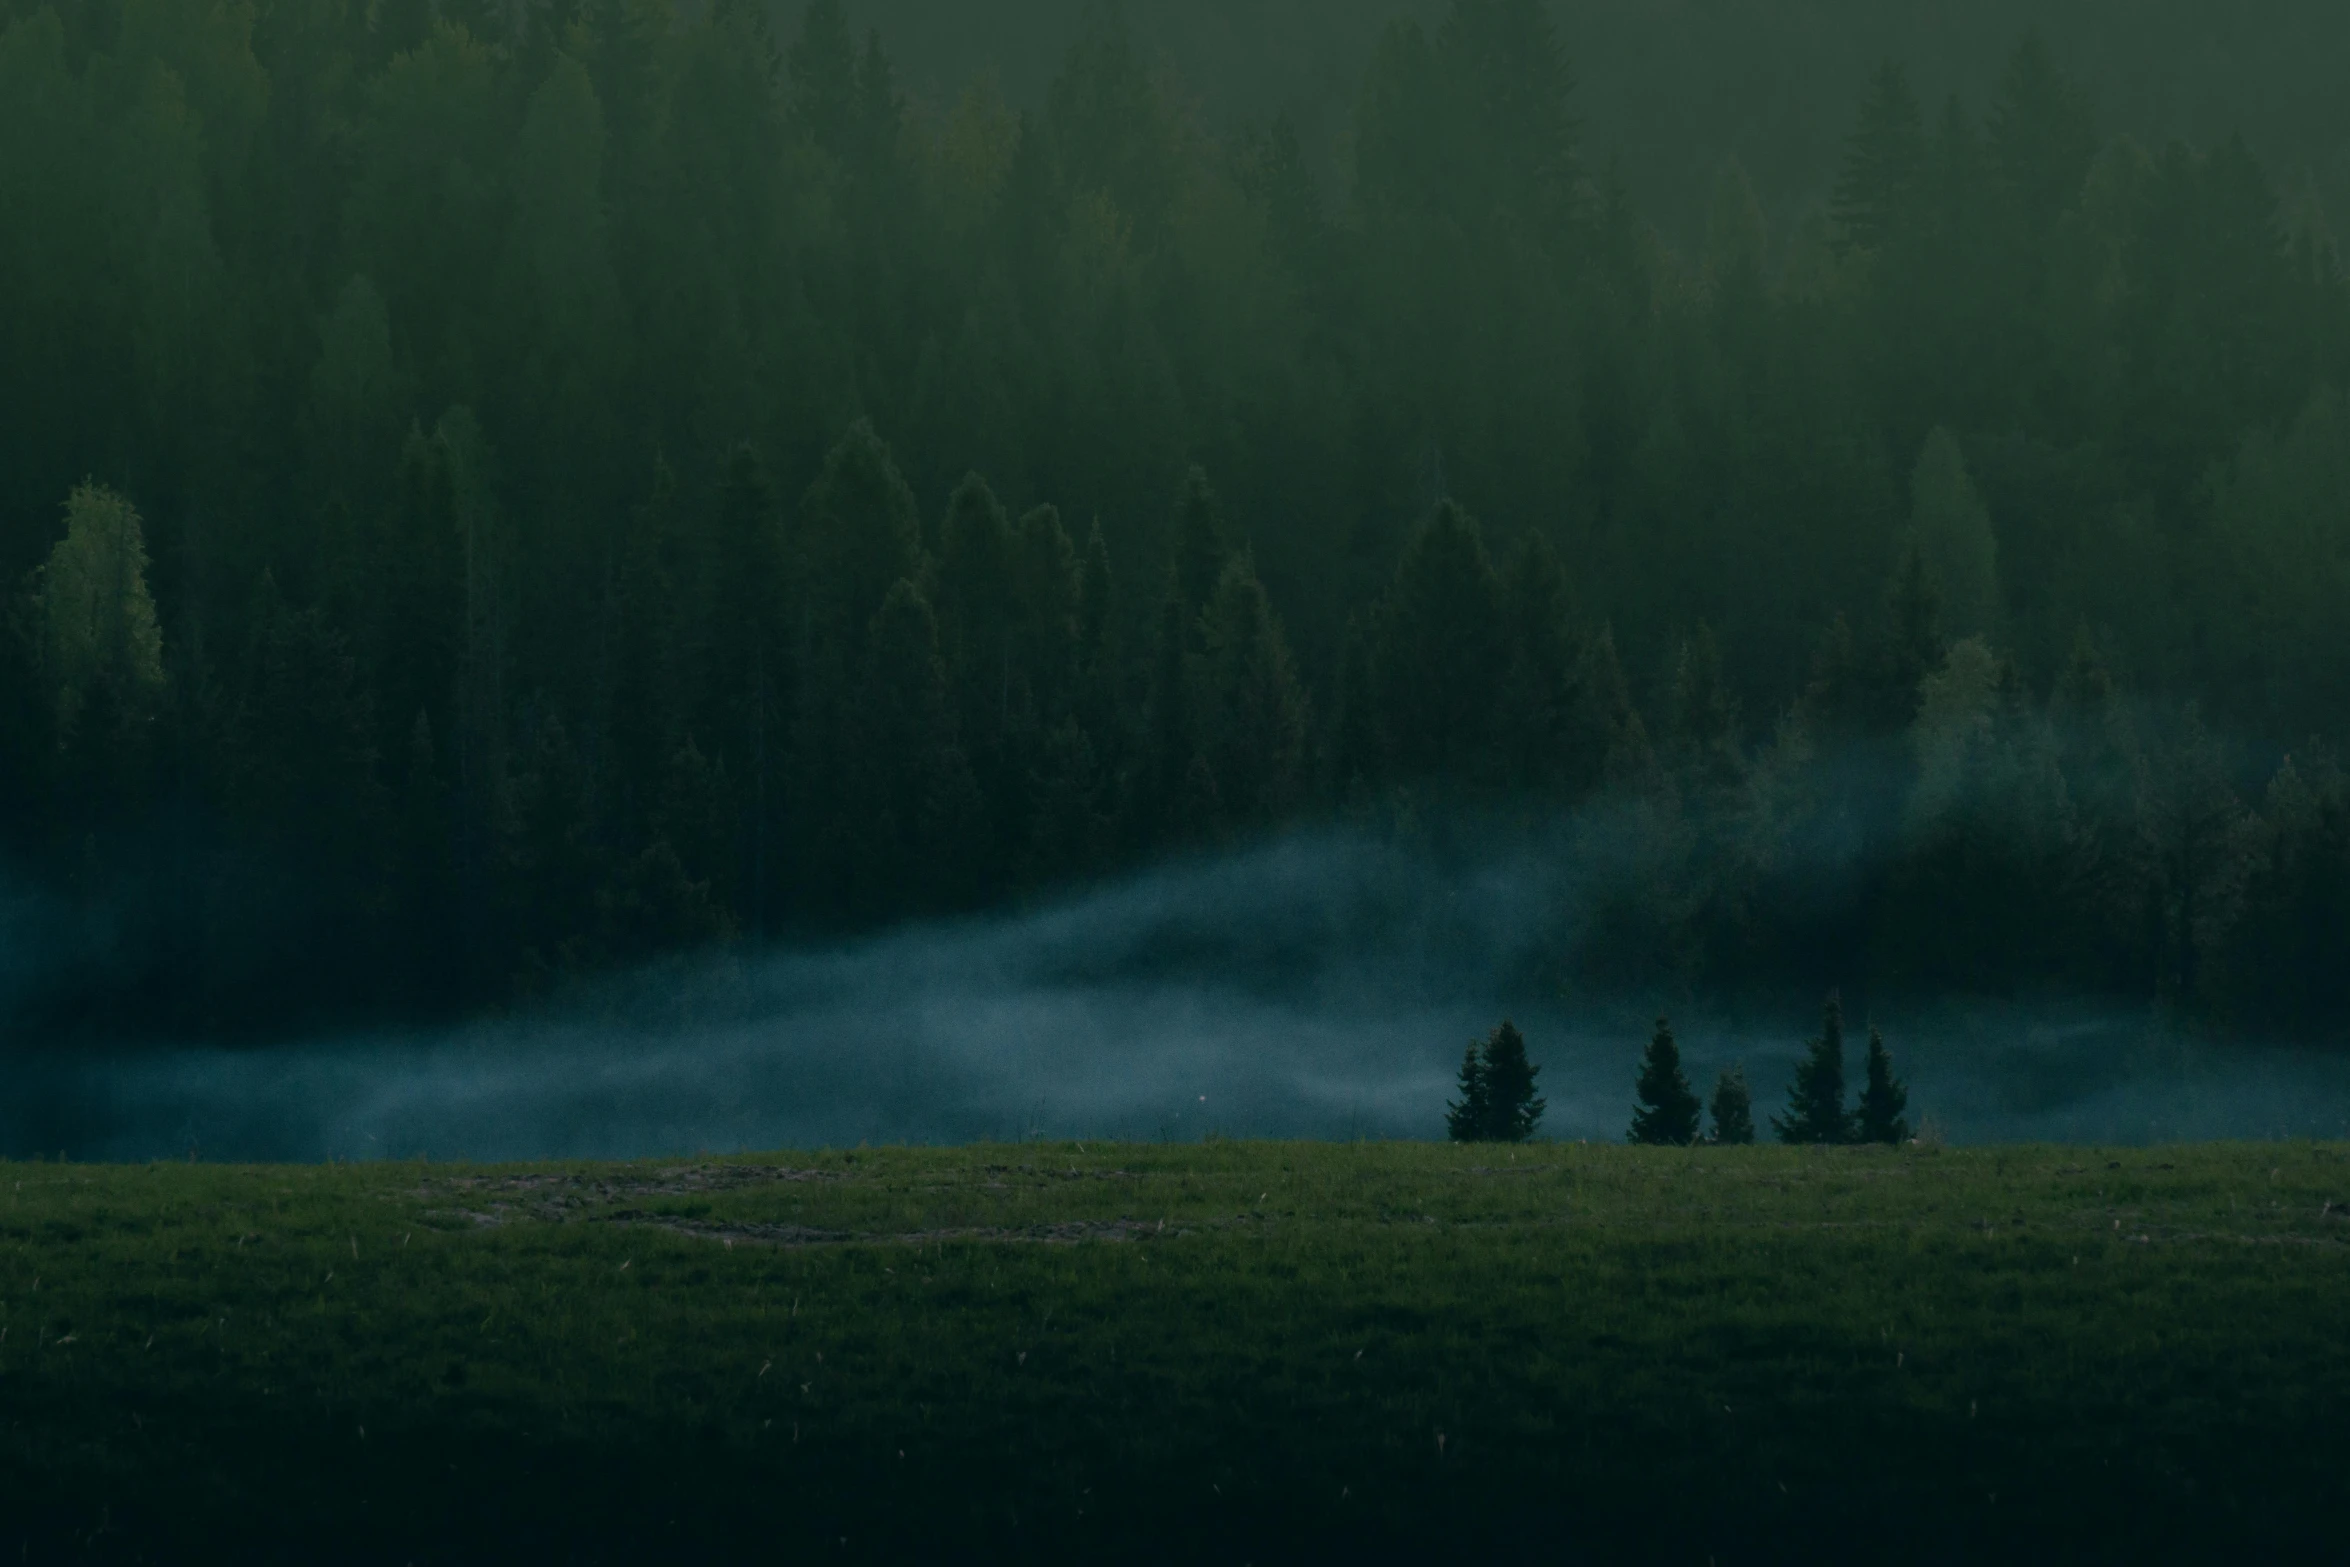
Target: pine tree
[[1067, 828], [1815, 1105], [860, 536], [354, 389], [913, 785], [301, 731], [1544, 749], [880, 109], [1047, 592], [1611, 723], [554, 864], [1737, 241], [1112, 127], [2042, 135], [1170, 743], [1668, 1108], [1466, 1118], [1094, 588], [1953, 534], [1702, 715], [749, 664], [1441, 640], [1882, 1100], [25, 718], [1497, 1102], [821, 65], [1733, 1110], [2191, 818], [1252, 711], [1201, 549], [1884, 163], [1511, 1107], [974, 577], [424, 881], [1356, 754], [975, 594]]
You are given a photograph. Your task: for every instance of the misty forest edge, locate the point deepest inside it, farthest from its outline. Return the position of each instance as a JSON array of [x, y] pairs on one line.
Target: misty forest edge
[[486, 506], [1498, 1104]]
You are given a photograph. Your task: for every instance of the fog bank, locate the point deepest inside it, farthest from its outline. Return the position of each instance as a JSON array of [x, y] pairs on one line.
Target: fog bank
[[1319, 987]]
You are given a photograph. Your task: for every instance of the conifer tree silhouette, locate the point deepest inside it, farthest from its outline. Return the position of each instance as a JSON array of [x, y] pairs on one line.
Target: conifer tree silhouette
[[1883, 1098], [1513, 1109], [1498, 1103], [1815, 1104], [1733, 1109], [1466, 1116], [1668, 1108]]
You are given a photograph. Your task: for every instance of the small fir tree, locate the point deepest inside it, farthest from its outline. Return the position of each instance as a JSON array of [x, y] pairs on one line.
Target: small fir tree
[[1512, 1107], [1882, 1099], [1466, 1116], [1668, 1107], [1498, 1103], [1733, 1109], [1815, 1105]]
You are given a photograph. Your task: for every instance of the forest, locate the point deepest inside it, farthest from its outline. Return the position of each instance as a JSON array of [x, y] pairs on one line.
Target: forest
[[493, 494]]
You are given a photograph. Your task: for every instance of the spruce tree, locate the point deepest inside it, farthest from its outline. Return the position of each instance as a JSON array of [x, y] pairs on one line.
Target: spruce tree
[[2042, 136], [1465, 1118], [1953, 534], [1815, 1105], [1543, 751], [1908, 643], [1882, 1099], [1094, 586], [1201, 549], [821, 67], [1497, 1103], [1733, 1109], [1884, 164], [1512, 1108], [1668, 1108], [1252, 710], [1442, 636]]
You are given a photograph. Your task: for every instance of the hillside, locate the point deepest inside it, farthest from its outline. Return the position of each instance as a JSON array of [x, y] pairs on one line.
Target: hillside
[[497, 497]]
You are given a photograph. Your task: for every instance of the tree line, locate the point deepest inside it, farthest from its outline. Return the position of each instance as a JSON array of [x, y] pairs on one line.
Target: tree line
[[1669, 1113], [494, 495], [1498, 1104]]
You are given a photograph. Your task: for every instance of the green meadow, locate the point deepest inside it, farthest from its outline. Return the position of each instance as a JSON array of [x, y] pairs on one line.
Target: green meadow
[[1207, 1352]]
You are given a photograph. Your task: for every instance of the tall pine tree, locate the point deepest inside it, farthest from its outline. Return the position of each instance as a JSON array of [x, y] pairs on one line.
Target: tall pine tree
[[1498, 1103], [1733, 1109], [1882, 1099], [1815, 1105], [1884, 162], [1668, 1107], [1513, 1109], [1466, 1117]]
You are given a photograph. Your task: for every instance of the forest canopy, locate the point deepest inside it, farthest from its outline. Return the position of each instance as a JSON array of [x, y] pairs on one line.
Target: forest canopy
[[491, 493]]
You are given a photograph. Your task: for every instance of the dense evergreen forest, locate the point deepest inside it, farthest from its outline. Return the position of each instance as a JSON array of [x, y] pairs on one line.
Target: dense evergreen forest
[[495, 492], [1669, 88]]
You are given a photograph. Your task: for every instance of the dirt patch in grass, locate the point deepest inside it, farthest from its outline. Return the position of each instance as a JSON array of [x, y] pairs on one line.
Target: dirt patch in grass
[[736, 1233], [675, 1181], [563, 1198], [555, 1196]]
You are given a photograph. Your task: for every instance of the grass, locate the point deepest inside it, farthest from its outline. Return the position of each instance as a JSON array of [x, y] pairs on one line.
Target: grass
[[1229, 1351]]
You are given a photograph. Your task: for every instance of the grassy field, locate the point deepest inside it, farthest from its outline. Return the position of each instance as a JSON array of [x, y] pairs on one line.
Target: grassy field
[[1229, 1351]]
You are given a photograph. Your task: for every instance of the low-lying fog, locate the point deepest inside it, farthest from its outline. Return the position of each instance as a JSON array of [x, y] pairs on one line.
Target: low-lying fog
[[1318, 987]]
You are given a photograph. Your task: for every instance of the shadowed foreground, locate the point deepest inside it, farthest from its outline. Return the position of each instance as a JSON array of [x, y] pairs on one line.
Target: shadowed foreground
[[1183, 1352]]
